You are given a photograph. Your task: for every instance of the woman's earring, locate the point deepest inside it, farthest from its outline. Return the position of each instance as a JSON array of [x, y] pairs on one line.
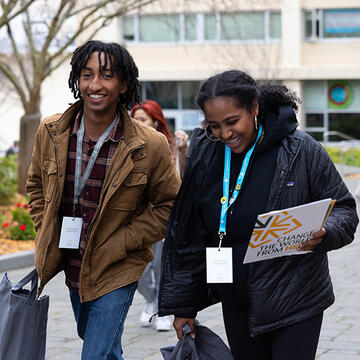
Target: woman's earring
[[256, 123], [209, 134]]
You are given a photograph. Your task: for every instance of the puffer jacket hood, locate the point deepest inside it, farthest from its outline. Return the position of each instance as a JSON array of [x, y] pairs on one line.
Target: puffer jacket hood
[[277, 126]]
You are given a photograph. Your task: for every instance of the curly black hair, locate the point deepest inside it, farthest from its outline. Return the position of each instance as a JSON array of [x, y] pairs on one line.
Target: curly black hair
[[242, 87], [120, 61]]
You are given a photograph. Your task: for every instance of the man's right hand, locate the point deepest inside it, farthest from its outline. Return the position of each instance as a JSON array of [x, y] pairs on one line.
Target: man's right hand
[[179, 323]]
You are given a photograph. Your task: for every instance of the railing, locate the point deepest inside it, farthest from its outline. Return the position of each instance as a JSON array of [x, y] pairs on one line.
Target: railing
[[337, 133]]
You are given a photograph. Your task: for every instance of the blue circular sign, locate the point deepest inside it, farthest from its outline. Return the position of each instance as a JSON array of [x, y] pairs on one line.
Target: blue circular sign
[[338, 94]]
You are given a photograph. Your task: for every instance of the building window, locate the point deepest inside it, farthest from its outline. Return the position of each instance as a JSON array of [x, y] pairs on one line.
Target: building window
[[128, 28], [275, 25], [163, 92], [344, 123], [308, 18], [190, 27], [332, 109], [312, 24], [315, 120], [159, 28], [331, 23], [238, 26], [242, 26], [341, 23], [177, 99], [172, 94], [210, 27], [189, 92]]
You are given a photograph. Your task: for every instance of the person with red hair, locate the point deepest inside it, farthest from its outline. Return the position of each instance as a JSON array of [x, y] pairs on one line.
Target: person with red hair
[[150, 114]]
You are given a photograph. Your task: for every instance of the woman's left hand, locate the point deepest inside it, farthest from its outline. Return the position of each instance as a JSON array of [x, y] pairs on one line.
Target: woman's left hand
[[314, 240]]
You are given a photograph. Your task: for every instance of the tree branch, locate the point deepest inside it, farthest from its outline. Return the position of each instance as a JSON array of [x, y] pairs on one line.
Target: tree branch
[[29, 37], [55, 24], [133, 4], [18, 57], [11, 76], [5, 17]]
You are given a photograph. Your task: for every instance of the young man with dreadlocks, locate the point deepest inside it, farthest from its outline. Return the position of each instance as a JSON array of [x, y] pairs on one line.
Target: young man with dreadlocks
[[101, 186]]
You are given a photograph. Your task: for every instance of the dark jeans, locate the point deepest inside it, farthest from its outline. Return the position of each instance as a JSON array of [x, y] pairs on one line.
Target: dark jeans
[[296, 342]]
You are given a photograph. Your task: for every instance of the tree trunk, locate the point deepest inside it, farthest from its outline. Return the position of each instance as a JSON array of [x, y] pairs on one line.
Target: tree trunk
[[29, 124]]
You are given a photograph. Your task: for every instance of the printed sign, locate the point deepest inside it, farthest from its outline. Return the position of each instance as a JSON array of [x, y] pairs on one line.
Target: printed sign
[[278, 233]]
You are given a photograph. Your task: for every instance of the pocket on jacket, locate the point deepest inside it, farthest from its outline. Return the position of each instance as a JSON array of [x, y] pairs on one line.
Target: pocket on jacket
[[127, 196], [49, 177]]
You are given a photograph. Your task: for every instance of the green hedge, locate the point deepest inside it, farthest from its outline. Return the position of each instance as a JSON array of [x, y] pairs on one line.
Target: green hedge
[[350, 156]]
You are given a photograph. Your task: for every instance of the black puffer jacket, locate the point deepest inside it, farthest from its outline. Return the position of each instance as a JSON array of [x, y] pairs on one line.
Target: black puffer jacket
[[284, 290]]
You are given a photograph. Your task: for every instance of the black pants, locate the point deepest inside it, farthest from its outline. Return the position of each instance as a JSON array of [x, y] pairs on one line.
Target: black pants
[[295, 342]]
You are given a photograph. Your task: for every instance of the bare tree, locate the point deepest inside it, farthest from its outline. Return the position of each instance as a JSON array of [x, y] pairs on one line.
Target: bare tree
[[49, 31], [10, 9]]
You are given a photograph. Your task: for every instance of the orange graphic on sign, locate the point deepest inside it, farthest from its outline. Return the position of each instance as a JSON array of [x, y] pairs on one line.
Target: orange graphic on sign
[[273, 227]]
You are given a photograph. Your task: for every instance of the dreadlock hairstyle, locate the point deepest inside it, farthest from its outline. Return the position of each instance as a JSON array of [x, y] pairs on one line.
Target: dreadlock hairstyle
[[243, 88], [120, 61], [153, 109]]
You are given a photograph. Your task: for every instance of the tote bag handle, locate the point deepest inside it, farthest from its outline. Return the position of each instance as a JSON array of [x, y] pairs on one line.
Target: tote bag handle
[[33, 277]]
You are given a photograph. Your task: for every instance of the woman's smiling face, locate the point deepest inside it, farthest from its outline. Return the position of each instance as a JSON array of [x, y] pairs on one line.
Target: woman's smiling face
[[233, 125]]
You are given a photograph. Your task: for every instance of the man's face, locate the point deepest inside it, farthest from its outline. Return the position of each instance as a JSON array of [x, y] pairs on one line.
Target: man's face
[[100, 90]]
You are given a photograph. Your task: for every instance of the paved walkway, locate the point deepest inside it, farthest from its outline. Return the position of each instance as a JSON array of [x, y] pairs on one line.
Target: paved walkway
[[339, 340], [340, 336]]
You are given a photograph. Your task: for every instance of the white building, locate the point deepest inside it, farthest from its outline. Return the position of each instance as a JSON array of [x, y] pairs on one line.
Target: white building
[[312, 46]]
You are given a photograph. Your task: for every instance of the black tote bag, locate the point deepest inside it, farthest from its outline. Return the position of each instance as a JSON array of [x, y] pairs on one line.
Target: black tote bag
[[206, 346], [23, 320]]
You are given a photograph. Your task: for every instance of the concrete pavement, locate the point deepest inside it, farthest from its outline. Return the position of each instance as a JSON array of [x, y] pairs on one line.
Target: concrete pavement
[[138, 343], [339, 340]]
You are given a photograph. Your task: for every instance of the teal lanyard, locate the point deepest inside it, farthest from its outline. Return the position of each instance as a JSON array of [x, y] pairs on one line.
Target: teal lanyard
[[225, 201]]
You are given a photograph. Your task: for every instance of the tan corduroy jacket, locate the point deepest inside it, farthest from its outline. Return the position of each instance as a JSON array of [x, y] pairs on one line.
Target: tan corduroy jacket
[[135, 202]]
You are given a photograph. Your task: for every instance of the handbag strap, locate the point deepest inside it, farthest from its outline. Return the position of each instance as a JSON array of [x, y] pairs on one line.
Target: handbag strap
[[31, 276]]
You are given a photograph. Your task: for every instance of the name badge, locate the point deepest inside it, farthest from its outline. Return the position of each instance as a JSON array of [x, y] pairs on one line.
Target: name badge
[[219, 268], [70, 232]]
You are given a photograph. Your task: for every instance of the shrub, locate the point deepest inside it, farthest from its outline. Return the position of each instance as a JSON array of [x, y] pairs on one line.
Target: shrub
[[8, 178], [349, 156], [22, 227]]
